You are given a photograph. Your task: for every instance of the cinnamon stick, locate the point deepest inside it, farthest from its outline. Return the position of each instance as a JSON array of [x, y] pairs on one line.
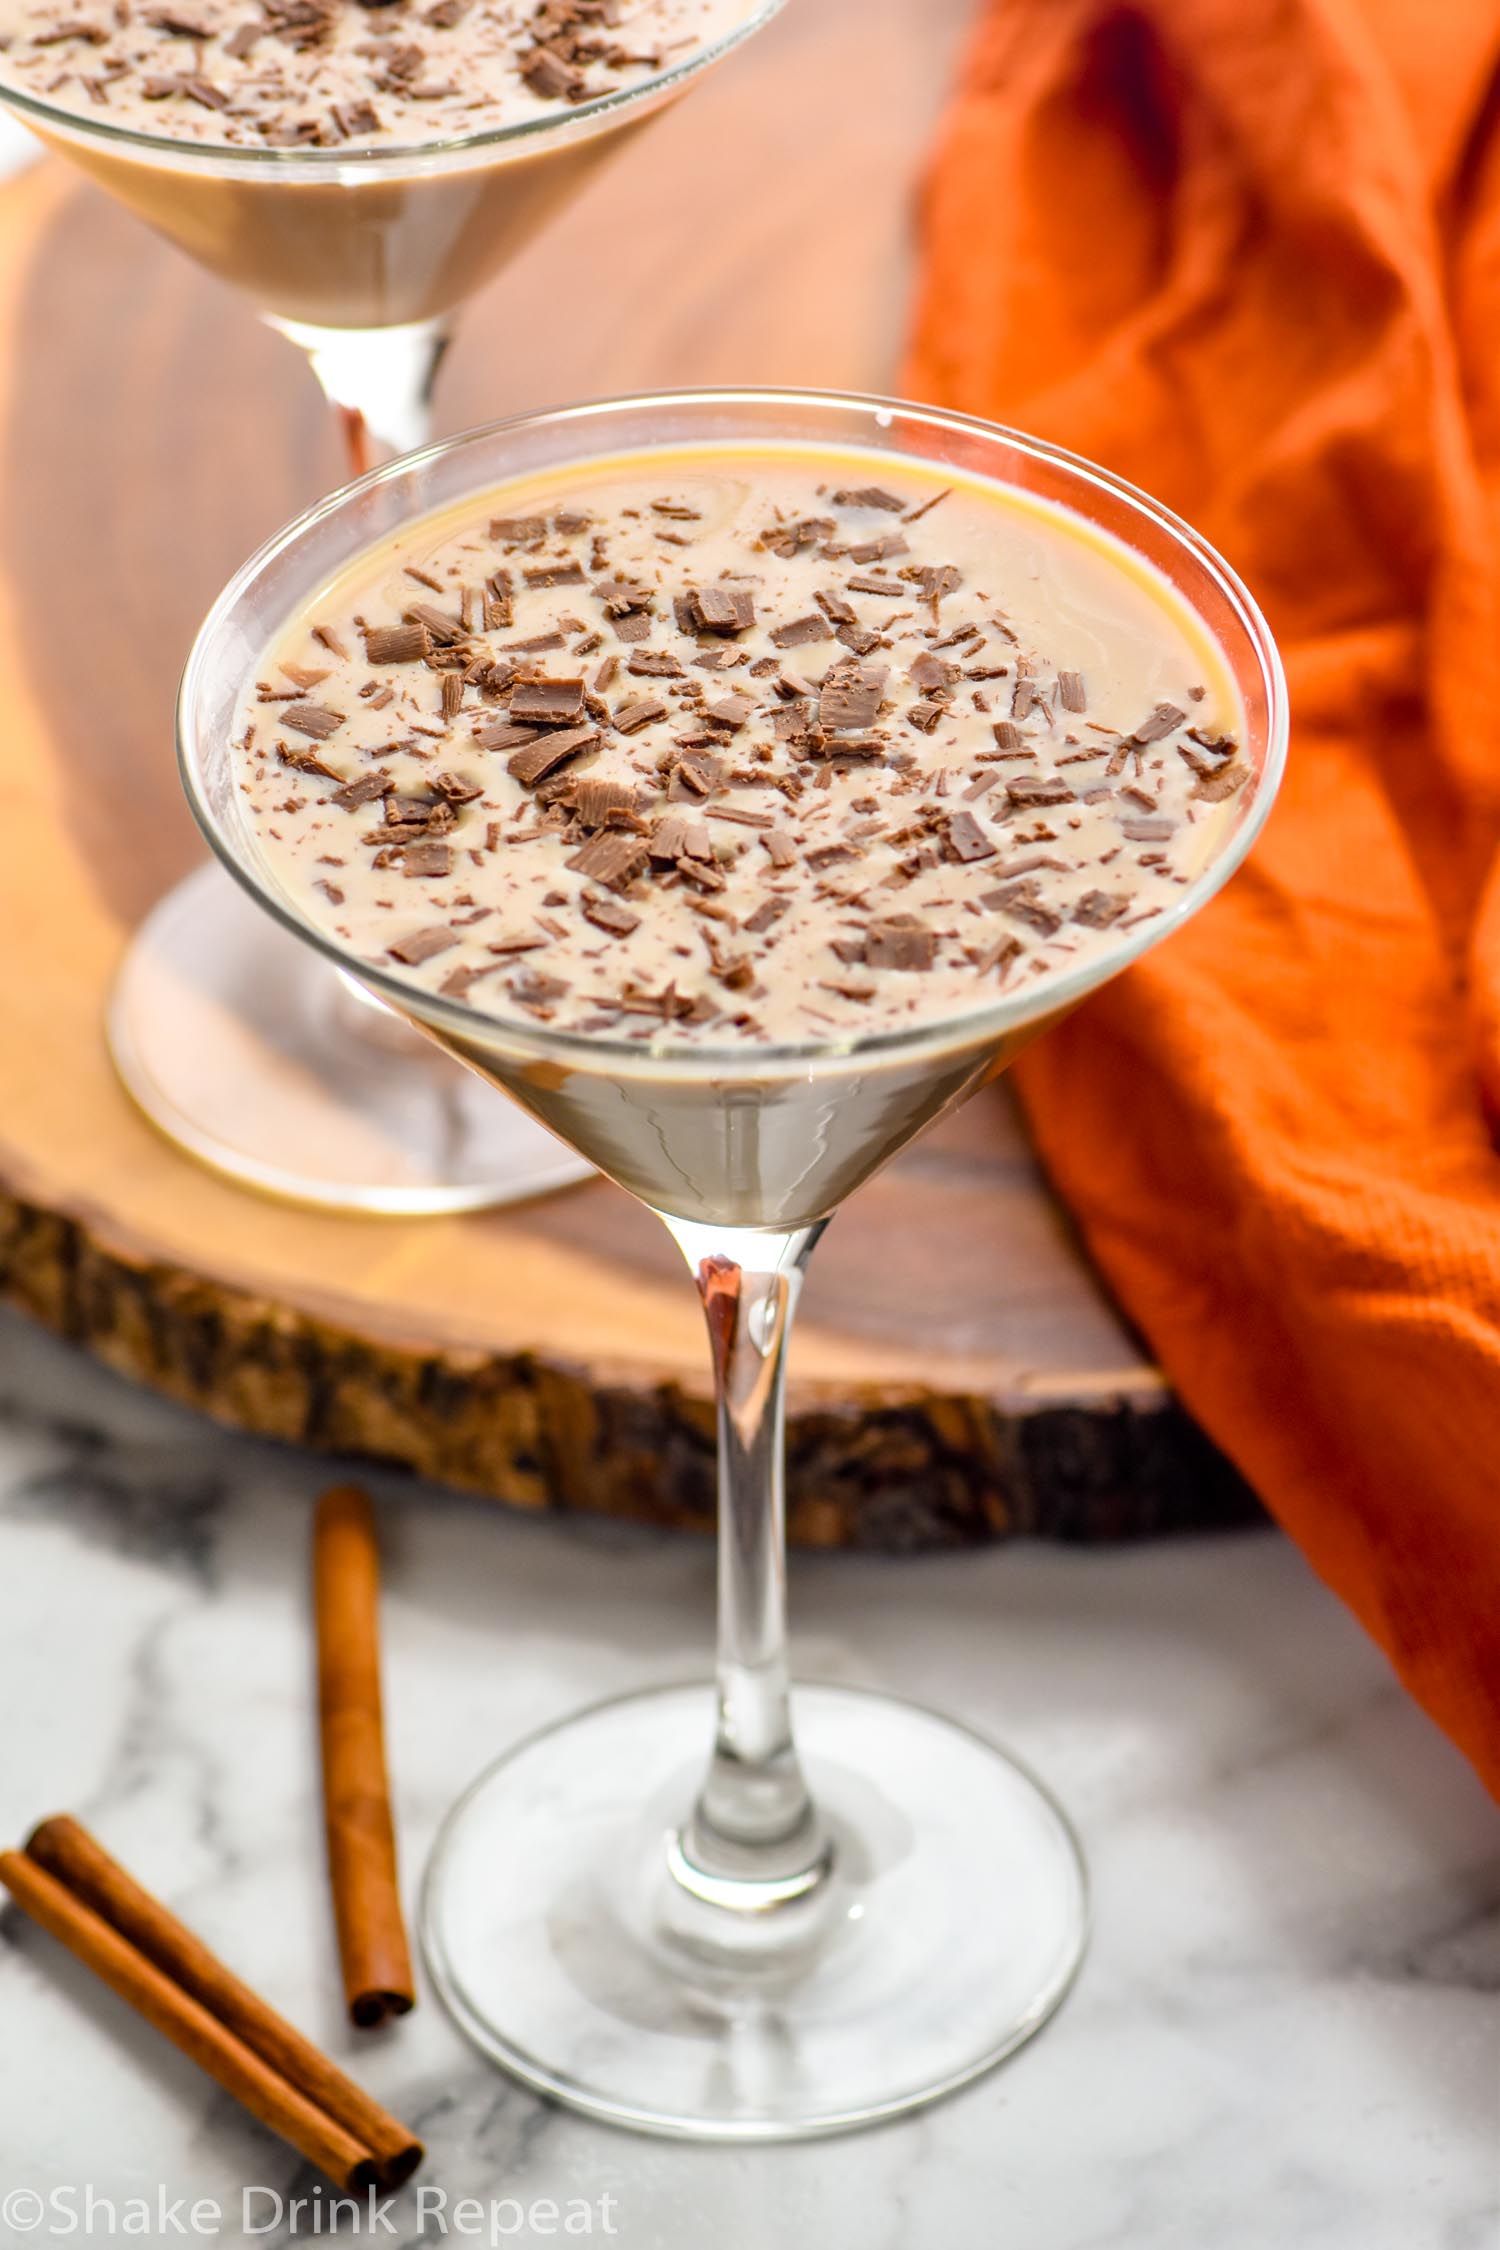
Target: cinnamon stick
[[188, 2024], [373, 1947], [67, 1851]]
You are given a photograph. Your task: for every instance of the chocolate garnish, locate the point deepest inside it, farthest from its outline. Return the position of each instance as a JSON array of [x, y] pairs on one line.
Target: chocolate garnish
[[1022, 900], [608, 915], [364, 791], [517, 531], [1148, 830], [1162, 722], [798, 630], [721, 609], [676, 837], [1097, 909], [427, 858], [900, 943], [504, 734], [548, 703], [1224, 782], [597, 801], [422, 944], [701, 773], [851, 695], [313, 719], [964, 839], [932, 674], [440, 623], [640, 711], [731, 712], [1070, 691], [610, 858], [549, 751], [555, 574], [397, 644], [1027, 790], [868, 496]]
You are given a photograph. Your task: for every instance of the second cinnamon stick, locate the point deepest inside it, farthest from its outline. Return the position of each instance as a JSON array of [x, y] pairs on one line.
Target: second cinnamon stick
[[189, 2025], [67, 1851], [373, 1948]]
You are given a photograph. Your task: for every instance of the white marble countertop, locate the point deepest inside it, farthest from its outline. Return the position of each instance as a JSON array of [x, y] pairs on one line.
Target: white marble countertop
[[1286, 2036]]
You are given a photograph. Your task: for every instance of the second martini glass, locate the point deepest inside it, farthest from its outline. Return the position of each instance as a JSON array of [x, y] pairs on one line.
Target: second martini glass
[[672, 1911], [281, 1074]]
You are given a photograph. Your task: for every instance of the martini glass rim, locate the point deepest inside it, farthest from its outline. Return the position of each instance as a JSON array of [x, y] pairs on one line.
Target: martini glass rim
[[389, 160], [974, 1026]]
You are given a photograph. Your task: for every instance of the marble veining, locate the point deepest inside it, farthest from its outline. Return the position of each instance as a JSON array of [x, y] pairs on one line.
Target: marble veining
[[1285, 2038]]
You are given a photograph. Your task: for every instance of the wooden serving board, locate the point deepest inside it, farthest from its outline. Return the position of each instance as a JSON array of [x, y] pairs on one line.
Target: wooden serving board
[[959, 1372]]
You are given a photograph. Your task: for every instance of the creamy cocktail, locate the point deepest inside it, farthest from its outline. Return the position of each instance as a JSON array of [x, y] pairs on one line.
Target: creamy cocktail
[[740, 749], [358, 170], [737, 779], [189, 114]]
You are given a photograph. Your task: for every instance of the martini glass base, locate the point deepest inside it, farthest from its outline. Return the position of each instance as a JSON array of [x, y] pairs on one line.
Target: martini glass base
[[950, 1929], [253, 1056]]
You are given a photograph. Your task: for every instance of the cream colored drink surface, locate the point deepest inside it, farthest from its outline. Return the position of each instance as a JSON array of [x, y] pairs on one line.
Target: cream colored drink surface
[[740, 747], [337, 74]]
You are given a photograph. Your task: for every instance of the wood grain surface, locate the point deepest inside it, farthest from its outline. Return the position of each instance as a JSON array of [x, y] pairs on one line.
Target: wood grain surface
[[958, 1371]]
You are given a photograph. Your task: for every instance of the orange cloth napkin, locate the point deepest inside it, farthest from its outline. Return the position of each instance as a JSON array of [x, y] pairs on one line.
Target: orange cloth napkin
[[1247, 252]]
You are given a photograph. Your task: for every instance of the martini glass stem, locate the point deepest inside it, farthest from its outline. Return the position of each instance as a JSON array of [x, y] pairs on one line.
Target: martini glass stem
[[754, 1836], [378, 381]]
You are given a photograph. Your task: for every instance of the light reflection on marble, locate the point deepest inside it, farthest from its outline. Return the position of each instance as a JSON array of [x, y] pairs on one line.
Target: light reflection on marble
[[1286, 2037]]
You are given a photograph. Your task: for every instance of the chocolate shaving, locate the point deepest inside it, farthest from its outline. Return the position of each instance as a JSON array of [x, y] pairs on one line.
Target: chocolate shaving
[[1147, 830], [555, 574], [798, 630], [518, 531], [1028, 790], [428, 858], [548, 703], [1022, 900], [611, 859], [608, 915], [731, 712], [932, 674], [397, 644], [597, 801], [364, 791], [702, 774], [504, 734], [1163, 720], [640, 711], [444, 628], [1224, 782], [422, 944], [851, 695], [868, 496], [539, 758], [835, 607], [965, 840], [900, 943], [720, 609], [312, 718], [1097, 909]]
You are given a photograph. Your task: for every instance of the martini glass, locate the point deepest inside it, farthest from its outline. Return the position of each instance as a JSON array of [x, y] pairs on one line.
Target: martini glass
[[673, 1911], [238, 1046]]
